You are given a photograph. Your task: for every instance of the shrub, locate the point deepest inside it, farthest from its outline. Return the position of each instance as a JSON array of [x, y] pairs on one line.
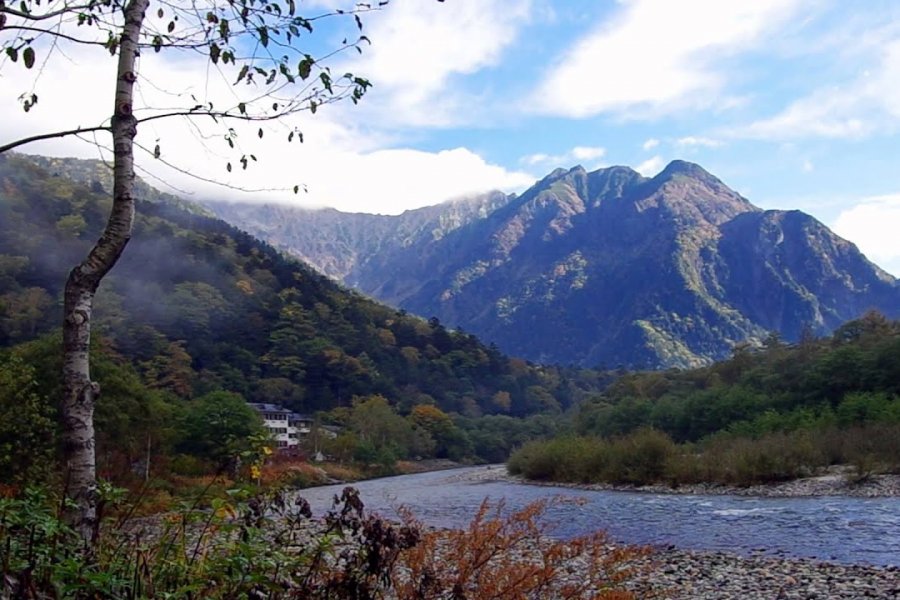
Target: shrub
[[769, 458], [502, 555], [639, 458]]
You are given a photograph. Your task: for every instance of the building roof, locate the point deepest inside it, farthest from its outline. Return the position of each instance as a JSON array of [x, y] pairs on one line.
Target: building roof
[[266, 407], [275, 408]]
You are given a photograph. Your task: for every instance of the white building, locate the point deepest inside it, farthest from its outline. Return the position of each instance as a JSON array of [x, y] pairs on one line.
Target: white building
[[285, 427]]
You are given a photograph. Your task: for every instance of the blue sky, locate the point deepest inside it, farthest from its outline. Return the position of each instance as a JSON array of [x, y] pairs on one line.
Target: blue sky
[[794, 103]]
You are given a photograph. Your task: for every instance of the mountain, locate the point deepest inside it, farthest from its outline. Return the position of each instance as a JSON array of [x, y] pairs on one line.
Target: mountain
[[599, 268], [98, 176], [196, 305], [342, 245]]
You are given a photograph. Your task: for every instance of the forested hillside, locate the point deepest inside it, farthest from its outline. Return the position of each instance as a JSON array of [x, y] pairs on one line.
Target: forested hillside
[[196, 307], [779, 412]]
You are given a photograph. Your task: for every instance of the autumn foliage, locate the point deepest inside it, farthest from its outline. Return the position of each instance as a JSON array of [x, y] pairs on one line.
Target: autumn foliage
[[502, 555]]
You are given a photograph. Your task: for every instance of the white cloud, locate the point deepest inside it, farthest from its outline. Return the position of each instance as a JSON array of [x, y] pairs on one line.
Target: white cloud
[[591, 155], [650, 144], [808, 166], [391, 181], [859, 108], [339, 165], [419, 48], [692, 141], [656, 54], [650, 167], [537, 159], [873, 224], [588, 152]]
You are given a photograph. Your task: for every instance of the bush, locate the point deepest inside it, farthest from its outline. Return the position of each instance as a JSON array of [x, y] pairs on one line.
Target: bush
[[261, 546], [560, 459], [648, 456], [502, 555], [639, 458]]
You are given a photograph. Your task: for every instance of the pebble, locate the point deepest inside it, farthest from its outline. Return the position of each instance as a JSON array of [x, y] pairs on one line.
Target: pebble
[[683, 575]]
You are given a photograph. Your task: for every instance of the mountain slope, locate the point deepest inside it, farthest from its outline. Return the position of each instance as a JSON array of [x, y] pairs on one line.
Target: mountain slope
[[611, 268], [341, 245], [197, 305]]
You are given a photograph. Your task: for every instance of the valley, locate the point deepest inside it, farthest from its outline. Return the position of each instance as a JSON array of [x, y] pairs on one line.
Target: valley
[[469, 300]]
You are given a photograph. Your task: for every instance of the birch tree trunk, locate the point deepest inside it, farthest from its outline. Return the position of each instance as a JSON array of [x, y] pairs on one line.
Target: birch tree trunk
[[80, 393]]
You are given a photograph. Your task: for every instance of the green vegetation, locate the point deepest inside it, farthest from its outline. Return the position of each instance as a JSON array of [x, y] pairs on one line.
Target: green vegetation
[[648, 456], [198, 317], [764, 415], [198, 306]]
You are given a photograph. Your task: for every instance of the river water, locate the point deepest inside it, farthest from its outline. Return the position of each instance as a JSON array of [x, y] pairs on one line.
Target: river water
[[837, 529]]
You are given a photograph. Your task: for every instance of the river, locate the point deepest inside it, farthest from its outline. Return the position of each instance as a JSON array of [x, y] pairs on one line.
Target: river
[[838, 529]]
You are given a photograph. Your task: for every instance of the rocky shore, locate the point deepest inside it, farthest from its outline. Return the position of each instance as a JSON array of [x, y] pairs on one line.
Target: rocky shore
[[683, 575], [836, 481]]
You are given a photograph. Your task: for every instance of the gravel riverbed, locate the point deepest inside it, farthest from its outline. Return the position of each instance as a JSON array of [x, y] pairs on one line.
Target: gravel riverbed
[[683, 575]]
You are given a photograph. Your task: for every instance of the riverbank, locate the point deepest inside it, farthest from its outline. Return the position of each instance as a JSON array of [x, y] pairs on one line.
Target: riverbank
[[836, 481], [669, 571], [689, 575]]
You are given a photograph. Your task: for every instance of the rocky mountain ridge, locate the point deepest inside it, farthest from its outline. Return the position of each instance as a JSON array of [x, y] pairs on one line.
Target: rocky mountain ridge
[[604, 268]]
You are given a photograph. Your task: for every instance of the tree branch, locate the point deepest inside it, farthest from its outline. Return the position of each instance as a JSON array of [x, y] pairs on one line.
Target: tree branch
[[216, 182], [53, 33], [49, 15], [50, 136]]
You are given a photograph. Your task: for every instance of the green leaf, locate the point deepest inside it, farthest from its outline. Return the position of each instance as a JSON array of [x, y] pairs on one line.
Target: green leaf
[[263, 36], [296, 189], [305, 67], [260, 133], [242, 108], [12, 53], [156, 151], [214, 52], [242, 74], [228, 167], [325, 78], [28, 57]]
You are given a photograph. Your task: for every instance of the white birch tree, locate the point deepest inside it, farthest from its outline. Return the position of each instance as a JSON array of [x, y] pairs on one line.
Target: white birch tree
[[259, 42]]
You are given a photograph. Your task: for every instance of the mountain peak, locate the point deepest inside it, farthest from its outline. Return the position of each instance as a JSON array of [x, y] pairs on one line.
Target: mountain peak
[[560, 172], [685, 168]]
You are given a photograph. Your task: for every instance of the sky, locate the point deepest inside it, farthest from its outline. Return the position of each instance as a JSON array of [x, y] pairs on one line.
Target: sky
[[793, 103]]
